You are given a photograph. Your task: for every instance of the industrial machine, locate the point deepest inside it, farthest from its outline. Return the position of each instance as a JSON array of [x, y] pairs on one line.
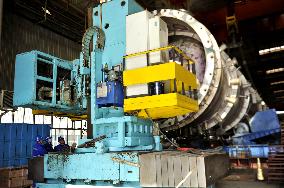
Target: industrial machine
[[139, 72], [263, 124]]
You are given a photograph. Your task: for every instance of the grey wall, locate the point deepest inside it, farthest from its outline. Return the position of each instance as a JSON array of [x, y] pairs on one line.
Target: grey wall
[[20, 35]]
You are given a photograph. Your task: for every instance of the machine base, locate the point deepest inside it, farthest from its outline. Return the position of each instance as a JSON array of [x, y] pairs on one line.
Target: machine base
[[135, 169]]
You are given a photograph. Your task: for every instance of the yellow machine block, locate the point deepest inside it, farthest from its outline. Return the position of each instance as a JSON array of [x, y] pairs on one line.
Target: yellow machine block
[[161, 106], [165, 71]]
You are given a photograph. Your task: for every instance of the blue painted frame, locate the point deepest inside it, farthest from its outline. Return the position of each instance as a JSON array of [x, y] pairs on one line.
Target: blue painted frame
[[26, 77]]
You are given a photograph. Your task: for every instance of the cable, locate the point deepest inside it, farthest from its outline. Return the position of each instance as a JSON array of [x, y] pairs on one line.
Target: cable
[[193, 151], [207, 151], [155, 124]]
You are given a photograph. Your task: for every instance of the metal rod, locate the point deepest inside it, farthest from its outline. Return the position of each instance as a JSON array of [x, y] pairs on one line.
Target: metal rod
[[174, 54], [67, 136], [89, 122], [81, 132], [123, 64], [24, 115], [148, 59], [190, 92], [193, 69], [125, 93], [55, 135], [181, 60], [172, 48], [13, 117], [175, 86], [52, 121], [195, 94], [188, 66]]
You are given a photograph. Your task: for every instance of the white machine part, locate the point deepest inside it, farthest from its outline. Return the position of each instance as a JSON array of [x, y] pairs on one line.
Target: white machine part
[[102, 91], [144, 31], [158, 36], [137, 38]]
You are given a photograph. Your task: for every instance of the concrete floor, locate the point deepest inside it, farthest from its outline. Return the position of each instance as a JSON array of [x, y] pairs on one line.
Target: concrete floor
[[244, 179], [246, 184]]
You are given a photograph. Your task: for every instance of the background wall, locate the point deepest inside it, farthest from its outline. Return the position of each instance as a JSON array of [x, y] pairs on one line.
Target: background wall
[[20, 35]]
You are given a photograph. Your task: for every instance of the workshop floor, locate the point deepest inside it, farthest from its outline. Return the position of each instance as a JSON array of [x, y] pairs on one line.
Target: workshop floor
[[245, 179]]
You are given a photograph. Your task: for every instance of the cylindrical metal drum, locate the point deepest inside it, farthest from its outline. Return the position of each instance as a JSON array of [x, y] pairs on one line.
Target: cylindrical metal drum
[[224, 95]]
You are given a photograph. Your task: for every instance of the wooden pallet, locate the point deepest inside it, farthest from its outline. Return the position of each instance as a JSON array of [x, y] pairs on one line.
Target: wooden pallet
[[14, 178]]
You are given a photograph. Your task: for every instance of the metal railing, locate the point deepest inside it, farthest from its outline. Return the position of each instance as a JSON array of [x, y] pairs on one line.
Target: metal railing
[[175, 54]]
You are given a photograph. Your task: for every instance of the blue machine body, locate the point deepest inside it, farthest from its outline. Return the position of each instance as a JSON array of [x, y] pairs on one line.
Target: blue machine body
[[115, 159], [114, 15], [125, 133], [114, 95], [78, 167], [252, 151], [248, 139], [262, 124], [264, 120], [111, 121], [37, 71]]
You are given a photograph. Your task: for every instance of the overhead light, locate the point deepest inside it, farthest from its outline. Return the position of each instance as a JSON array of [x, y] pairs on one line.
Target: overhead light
[[262, 103], [271, 71], [240, 2], [278, 91], [46, 10], [276, 83], [271, 50], [279, 112]]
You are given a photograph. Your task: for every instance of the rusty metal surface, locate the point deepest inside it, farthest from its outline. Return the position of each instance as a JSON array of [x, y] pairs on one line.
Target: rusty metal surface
[[20, 35]]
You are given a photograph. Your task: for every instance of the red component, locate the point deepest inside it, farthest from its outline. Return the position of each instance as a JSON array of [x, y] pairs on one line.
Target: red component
[[184, 149]]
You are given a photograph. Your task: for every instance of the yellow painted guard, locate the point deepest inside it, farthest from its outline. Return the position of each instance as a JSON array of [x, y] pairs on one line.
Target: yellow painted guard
[[161, 106], [165, 71]]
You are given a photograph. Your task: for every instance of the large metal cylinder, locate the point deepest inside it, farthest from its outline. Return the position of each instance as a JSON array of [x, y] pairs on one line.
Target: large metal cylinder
[[224, 95]]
